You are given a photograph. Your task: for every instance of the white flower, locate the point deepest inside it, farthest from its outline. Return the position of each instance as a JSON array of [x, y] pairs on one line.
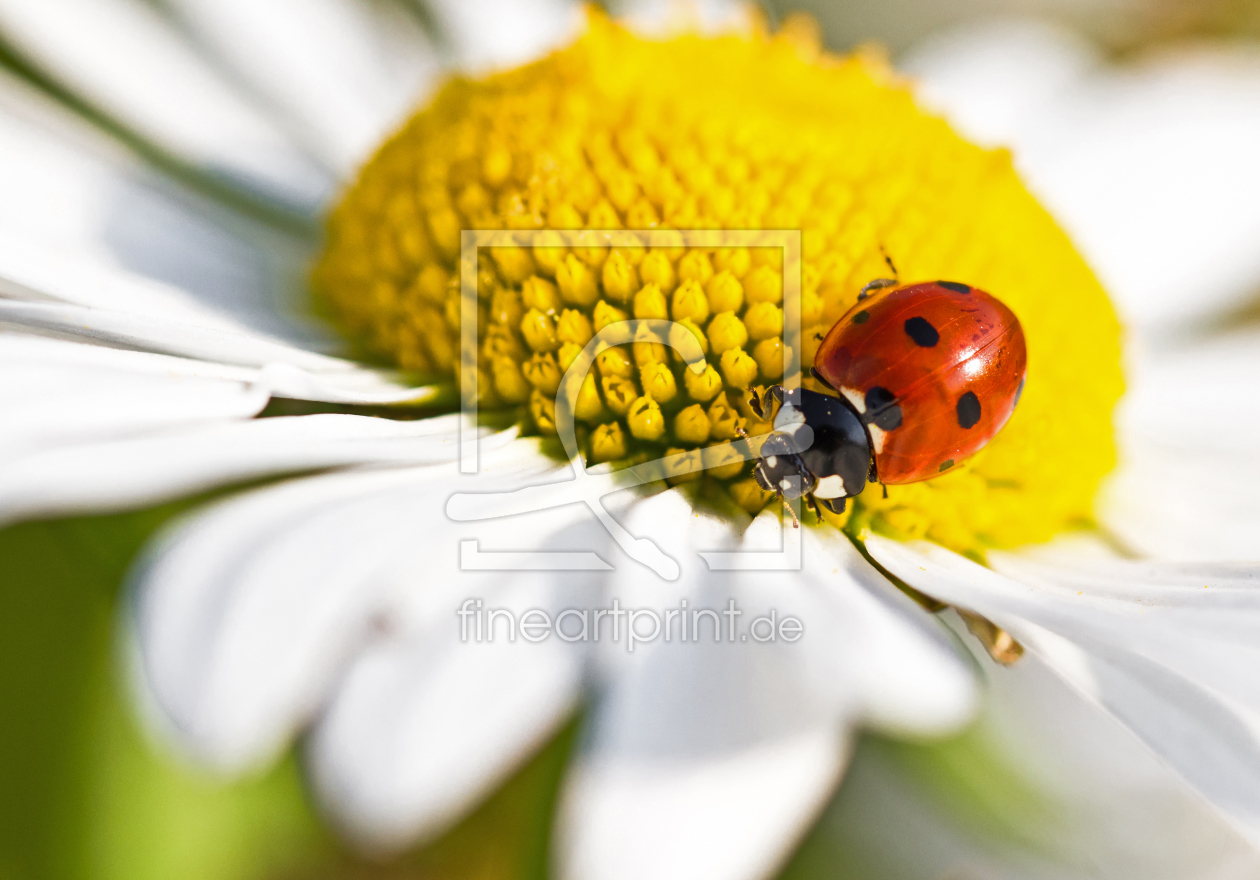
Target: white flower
[[148, 324]]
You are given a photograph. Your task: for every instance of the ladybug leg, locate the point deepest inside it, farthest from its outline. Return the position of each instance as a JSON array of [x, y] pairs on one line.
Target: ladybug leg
[[884, 486], [818, 377], [835, 505], [812, 504], [754, 403], [759, 467], [758, 405], [888, 260]]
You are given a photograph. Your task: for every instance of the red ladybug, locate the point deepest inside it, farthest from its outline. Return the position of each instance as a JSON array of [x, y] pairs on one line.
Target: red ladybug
[[925, 375]]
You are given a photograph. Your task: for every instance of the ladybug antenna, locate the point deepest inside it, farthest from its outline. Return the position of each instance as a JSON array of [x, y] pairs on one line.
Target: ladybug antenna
[[796, 523], [880, 283]]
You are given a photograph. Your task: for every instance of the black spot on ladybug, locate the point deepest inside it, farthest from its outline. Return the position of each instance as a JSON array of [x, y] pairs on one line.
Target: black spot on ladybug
[[923, 333], [946, 465], [968, 410], [861, 317], [882, 410], [956, 286], [1019, 391]]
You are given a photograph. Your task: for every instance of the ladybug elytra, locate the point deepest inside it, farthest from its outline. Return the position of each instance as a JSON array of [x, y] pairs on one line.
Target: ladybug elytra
[[924, 376]]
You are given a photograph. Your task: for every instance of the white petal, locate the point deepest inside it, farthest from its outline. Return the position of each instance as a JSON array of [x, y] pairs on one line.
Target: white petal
[[711, 759], [133, 330], [31, 270], [1175, 663], [247, 612], [732, 815], [48, 406], [495, 34], [67, 188], [91, 428], [704, 759], [141, 471], [420, 731], [1068, 797], [911, 680], [342, 72], [125, 60], [1148, 165], [344, 383], [427, 724]]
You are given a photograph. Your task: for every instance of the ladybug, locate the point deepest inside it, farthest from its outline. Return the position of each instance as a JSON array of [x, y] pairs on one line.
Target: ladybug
[[924, 375]]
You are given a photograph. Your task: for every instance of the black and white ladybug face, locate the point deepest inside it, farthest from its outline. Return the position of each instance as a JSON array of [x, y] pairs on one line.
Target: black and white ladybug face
[[781, 469], [818, 447]]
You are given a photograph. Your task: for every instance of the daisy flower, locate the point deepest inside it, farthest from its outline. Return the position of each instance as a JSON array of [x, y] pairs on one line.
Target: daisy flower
[[351, 600]]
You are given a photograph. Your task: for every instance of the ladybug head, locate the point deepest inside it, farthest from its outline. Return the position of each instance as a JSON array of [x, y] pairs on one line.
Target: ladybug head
[[819, 448]]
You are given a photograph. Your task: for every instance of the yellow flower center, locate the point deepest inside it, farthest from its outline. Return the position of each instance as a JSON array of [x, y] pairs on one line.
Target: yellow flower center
[[744, 131]]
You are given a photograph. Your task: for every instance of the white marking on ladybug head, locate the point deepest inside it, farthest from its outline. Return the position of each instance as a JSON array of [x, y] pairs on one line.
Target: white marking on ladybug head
[[877, 437], [857, 398], [788, 418], [772, 460], [830, 487]]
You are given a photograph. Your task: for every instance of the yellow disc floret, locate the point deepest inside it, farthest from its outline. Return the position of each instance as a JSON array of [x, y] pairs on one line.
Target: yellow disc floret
[[740, 132]]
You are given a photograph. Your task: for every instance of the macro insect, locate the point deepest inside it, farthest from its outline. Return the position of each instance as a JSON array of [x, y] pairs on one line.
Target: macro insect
[[924, 376]]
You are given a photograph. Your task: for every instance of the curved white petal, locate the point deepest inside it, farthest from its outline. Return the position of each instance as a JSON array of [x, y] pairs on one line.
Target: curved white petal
[[67, 187], [247, 612], [89, 428], [340, 72], [1067, 796], [1147, 165], [139, 471], [125, 60], [48, 405], [426, 724], [128, 329], [335, 381], [710, 758], [421, 730], [910, 681], [30, 270], [1176, 663]]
